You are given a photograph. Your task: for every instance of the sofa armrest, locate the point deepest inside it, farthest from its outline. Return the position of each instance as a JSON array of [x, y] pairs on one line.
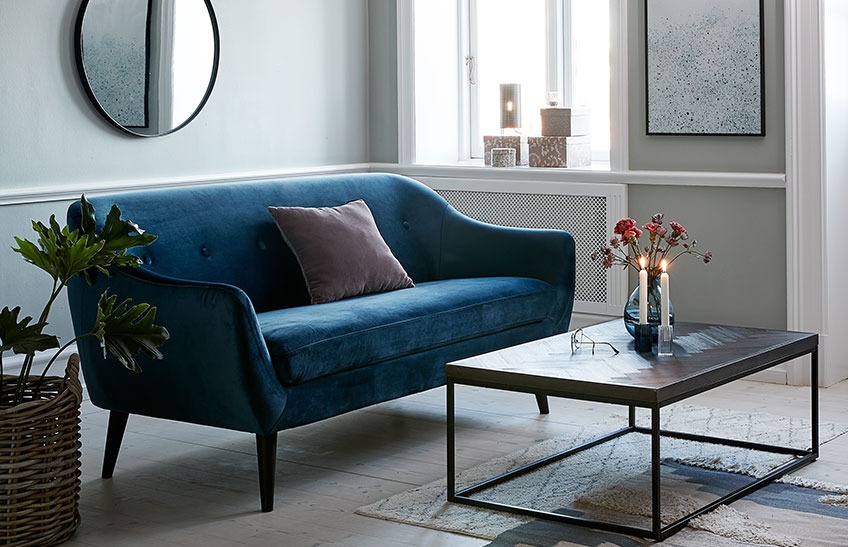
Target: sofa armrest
[[475, 249], [216, 368]]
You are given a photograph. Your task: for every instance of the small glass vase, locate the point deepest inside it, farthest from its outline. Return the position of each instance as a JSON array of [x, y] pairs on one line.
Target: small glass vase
[[631, 309]]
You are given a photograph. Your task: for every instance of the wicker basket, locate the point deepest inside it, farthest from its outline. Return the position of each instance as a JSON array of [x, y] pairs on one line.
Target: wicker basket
[[39, 459]]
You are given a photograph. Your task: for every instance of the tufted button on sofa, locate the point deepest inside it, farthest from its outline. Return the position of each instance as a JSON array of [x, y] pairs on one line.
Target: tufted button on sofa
[[248, 351]]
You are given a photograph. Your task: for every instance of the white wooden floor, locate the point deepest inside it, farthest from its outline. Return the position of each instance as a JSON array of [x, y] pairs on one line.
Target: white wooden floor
[[186, 485]]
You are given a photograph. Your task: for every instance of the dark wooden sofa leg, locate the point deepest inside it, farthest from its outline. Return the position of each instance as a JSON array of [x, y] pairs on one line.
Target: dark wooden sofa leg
[[114, 435], [542, 401], [266, 454]]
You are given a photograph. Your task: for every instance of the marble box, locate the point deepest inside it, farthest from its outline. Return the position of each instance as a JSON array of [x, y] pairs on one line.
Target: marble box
[[565, 122], [560, 151], [517, 142]]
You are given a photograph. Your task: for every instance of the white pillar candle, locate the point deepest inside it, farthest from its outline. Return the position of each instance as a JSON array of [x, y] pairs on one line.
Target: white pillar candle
[[643, 293], [664, 317]]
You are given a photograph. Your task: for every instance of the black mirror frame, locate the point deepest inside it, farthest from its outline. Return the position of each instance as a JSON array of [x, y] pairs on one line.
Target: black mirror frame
[[93, 98]]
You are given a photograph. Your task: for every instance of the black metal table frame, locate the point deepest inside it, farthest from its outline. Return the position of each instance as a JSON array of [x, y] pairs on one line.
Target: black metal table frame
[[657, 531]]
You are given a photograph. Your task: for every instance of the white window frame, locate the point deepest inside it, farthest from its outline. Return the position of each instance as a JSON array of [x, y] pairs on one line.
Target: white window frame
[[558, 61], [557, 68]]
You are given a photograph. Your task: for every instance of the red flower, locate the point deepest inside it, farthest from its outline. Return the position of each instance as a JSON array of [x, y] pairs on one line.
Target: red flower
[[624, 225], [652, 227], [632, 233], [666, 244]]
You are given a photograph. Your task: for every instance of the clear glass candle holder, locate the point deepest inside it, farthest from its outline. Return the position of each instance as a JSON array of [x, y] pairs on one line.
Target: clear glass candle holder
[[665, 341]]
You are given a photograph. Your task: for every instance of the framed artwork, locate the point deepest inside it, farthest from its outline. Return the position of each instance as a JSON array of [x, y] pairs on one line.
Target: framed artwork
[[705, 67]]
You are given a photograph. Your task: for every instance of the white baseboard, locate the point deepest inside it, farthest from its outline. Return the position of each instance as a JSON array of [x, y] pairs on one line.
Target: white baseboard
[[775, 375], [12, 364], [580, 320]]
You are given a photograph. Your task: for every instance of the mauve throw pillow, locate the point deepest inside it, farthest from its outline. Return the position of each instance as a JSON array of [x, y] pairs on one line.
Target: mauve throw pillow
[[340, 251]]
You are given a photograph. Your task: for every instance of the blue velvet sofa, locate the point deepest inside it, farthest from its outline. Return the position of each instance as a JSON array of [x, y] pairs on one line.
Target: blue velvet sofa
[[248, 352]]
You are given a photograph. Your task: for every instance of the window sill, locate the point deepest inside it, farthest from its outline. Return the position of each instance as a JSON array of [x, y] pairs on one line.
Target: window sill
[[598, 172]]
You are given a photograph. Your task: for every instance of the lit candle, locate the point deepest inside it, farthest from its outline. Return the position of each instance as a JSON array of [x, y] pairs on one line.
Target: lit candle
[[643, 293], [664, 296], [510, 106]]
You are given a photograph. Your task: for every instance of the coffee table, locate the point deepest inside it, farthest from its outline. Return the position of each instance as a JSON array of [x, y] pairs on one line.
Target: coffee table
[[705, 357]]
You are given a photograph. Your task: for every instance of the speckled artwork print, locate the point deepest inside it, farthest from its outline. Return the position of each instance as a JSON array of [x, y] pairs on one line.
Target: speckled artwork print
[[704, 67]]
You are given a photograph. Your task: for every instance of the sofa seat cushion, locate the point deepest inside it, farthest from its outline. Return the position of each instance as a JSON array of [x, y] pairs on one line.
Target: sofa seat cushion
[[309, 342]]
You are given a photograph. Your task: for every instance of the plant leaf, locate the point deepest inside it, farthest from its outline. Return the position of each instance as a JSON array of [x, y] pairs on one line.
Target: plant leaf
[[126, 331], [59, 252], [33, 254], [117, 237], [88, 222], [20, 337], [63, 253], [120, 235]]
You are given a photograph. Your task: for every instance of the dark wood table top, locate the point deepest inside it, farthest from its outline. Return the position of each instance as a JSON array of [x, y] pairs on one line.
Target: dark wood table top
[[705, 356]]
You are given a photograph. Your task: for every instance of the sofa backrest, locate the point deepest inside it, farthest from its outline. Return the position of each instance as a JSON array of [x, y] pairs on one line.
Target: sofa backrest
[[223, 232]]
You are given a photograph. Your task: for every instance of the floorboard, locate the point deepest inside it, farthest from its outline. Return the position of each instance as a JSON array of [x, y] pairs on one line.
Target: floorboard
[[185, 485]]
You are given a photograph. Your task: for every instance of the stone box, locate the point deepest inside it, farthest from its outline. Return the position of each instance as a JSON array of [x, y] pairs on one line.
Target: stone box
[[565, 122], [517, 142], [560, 151]]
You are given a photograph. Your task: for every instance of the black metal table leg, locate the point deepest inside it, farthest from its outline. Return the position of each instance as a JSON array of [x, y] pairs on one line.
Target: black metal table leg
[[814, 400], [656, 486], [451, 441]]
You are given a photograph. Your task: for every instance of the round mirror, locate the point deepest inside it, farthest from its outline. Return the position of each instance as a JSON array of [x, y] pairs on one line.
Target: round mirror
[[147, 65]]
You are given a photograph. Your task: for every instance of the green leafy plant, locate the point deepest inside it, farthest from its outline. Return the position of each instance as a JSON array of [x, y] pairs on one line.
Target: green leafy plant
[[123, 329]]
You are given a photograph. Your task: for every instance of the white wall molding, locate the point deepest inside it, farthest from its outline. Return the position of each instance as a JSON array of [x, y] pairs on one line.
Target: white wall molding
[[806, 235], [619, 84], [12, 364], [406, 80], [676, 178], [43, 194]]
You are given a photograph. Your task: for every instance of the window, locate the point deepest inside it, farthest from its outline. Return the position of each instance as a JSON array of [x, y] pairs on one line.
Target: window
[[464, 50], [507, 43]]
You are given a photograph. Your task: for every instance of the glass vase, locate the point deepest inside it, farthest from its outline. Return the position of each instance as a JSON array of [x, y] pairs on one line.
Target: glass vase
[[631, 309]]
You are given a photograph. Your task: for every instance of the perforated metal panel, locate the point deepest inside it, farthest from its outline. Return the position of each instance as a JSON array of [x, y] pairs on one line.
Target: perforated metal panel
[[583, 216]]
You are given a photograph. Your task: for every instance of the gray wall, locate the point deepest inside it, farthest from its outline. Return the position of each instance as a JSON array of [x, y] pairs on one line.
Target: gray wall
[[744, 227], [745, 284], [383, 112], [292, 91]]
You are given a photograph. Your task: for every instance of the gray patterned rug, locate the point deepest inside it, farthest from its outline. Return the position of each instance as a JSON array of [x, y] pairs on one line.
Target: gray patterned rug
[[608, 482]]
